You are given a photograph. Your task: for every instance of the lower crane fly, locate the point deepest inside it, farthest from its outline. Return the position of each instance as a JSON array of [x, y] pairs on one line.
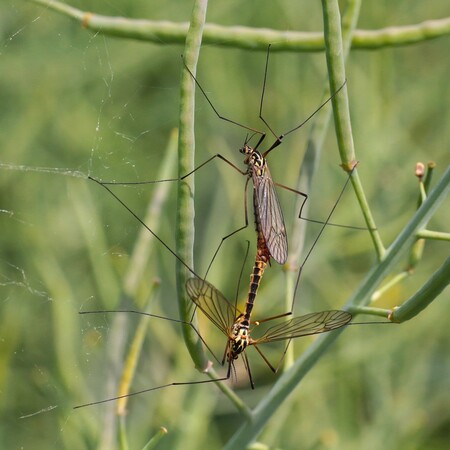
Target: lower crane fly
[[237, 328], [236, 325]]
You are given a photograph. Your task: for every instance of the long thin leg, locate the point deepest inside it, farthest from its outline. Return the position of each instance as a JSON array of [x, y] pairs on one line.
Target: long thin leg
[[106, 184], [268, 319], [226, 119], [306, 259], [305, 198], [318, 236], [156, 316], [143, 224], [143, 391], [273, 369], [133, 183], [241, 273], [247, 368], [280, 138], [261, 103], [235, 231]]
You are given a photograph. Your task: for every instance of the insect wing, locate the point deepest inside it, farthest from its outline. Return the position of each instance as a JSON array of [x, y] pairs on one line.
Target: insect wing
[[212, 303], [306, 325], [270, 216]]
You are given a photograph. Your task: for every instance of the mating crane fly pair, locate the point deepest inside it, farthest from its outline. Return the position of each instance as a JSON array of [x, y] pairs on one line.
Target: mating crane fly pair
[[271, 243], [234, 324]]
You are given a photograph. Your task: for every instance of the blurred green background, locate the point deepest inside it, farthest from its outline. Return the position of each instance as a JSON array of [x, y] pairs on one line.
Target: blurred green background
[[106, 107]]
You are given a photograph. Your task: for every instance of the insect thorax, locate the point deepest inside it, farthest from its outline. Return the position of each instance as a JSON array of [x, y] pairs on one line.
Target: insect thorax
[[254, 160], [239, 336]]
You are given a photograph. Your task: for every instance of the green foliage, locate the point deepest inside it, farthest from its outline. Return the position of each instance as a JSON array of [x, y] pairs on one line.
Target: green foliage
[[92, 104]]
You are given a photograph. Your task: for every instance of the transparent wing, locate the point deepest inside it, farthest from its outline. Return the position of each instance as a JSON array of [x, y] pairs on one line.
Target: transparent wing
[[313, 323], [212, 303], [268, 211]]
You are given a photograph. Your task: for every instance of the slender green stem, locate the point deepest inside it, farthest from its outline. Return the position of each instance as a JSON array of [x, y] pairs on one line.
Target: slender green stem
[[424, 296], [123, 438], [416, 303], [185, 228], [153, 442], [185, 209], [317, 133], [435, 235], [418, 246], [238, 402], [248, 38], [380, 312], [395, 280], [336, 69], [403, 242], [402, 35]]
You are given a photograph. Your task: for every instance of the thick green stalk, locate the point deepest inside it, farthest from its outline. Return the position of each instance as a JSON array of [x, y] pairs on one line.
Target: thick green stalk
[[185, 228], [336, 69], [248, 38], [185, 208], [317, 133], [316, 137], [435, 235], [424, 296]]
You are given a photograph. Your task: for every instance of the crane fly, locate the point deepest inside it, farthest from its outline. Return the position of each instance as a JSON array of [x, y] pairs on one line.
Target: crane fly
[[269, 219], [236, 325], [267, 208]]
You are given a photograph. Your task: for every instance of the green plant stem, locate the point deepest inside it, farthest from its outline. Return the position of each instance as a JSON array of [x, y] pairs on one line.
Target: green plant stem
[[185, 227], [424, 296], [123, 438], [287, 383], [153, 442], [395, 280], [185, 209], [380, 312], [316, 137], [249, 38], [403, 242], [417, 302], [336, 69], [238, 402], [435, 235]]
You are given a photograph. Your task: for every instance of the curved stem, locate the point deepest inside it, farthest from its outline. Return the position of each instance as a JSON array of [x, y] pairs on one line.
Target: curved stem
[[248, 38], [336, 69], [316, 137], [424, 296]]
